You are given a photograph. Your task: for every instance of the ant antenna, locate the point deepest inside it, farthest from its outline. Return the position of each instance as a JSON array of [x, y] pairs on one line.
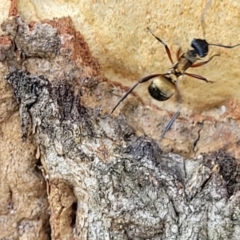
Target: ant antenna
[[224, 46], [208, 3]]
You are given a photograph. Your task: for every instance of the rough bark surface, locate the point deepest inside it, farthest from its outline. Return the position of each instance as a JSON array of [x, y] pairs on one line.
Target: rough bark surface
[[71, 171], [107, 183]]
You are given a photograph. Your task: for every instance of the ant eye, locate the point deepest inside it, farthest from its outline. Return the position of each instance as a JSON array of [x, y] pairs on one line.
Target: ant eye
[[200, 46]]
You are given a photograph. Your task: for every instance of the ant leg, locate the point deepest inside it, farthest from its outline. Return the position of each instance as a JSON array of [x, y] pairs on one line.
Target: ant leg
[[174, 117], [205, 62], [165, 45], [179, 53], [145, 79], [198, 77]]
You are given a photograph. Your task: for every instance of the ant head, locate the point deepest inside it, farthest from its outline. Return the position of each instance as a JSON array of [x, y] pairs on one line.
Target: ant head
[[200, 46]]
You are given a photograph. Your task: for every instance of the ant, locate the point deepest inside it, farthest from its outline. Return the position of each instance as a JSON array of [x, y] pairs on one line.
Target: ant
[[164, 85]]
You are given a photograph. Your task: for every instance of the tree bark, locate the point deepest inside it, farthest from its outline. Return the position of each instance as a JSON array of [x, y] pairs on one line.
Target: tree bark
[[99, 178]]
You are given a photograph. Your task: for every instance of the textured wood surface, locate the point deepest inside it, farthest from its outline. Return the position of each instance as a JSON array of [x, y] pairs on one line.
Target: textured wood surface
[[69, 166]]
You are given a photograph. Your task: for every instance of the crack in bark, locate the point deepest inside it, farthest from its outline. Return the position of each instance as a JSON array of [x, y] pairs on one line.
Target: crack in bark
[[198, 138]]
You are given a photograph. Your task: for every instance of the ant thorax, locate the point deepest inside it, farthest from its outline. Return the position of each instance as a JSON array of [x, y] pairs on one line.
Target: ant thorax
[[185, 61], [191, 55]]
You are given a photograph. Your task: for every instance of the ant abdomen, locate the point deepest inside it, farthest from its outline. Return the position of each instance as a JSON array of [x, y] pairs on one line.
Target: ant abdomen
[[161, 88]]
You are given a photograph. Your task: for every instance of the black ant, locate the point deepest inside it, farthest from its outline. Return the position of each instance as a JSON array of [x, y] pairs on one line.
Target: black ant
[[164, 85]]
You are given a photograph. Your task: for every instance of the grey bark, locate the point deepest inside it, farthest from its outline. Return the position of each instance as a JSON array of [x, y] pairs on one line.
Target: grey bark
[[103, 181]]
